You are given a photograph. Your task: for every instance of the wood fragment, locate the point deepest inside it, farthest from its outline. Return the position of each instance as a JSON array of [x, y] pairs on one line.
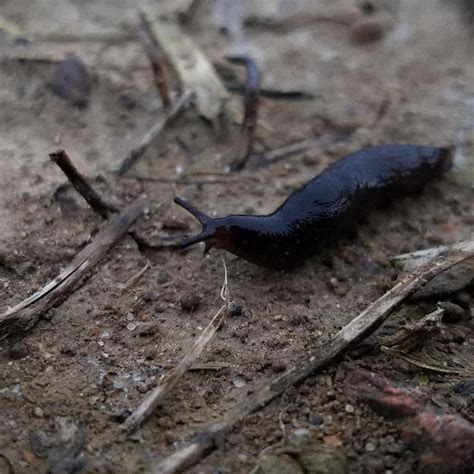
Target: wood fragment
[[25, 314], [409, 261], [136, 152], [150, 44], [196, 73], [348, 337], [81, 185], [416, 334], [148, 405]]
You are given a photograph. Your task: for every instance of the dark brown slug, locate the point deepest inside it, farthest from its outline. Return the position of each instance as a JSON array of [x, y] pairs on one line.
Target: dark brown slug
[[325, 207]]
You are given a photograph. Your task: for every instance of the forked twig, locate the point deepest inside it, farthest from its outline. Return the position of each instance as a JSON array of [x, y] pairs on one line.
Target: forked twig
[[148, 405], [25, 314], [169, 115], [349, 336]]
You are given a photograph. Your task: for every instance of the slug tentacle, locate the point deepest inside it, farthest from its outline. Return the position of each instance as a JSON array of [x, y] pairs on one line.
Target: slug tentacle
[[208, 227]]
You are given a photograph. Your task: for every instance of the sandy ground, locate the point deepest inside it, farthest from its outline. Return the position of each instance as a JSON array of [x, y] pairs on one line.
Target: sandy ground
[[99, 352]]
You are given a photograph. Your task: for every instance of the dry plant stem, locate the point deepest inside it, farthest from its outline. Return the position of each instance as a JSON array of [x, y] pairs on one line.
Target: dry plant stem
[[147, 406], [25, 314], [349, 336], [416, 334], [251, 102], [150, 43], [81, 185], [169, 115], [423, 365], [278, 154]]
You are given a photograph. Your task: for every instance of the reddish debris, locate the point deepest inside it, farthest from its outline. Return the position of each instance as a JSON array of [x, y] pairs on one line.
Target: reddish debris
[[385, 397], [446, 441]]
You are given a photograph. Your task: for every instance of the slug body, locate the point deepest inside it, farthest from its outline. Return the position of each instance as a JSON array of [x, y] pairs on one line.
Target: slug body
[[325, 207]]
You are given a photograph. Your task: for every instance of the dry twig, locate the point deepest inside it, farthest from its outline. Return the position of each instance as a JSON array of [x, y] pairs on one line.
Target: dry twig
[[349, 336], [251, 103], [150, 43], [148, 405], [81, 185], [135, 153], [26, 314]]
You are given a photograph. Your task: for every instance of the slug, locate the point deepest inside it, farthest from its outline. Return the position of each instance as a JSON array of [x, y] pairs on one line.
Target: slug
[[328, 205]]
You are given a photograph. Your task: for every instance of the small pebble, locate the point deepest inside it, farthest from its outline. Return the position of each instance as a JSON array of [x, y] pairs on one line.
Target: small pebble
[[239, 383], [369, 447], [349, 408], [130, 317], [18, 350], [131, 326], [453, 313], [302, 433], [190, 302], [71, 81], [38, 412]]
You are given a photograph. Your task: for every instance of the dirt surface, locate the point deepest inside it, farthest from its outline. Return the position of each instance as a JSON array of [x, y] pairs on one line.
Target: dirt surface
[[401, 73]]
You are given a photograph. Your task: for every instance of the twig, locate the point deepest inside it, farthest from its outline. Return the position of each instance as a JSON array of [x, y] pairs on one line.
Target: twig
[[150, 43], [290, 94], [187, 181], [423, 365], [25, 314], [148, 405], [416, 334], [349, 336], [408, 261], [251, 102], [134, 278], [197, 366], [272, 156], [81, 185], [135, 153]]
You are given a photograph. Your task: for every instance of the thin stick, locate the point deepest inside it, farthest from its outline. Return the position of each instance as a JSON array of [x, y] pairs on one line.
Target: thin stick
[[423, 365], [26, 314], [272, 156], [135, 153], [81, 185], [148, 405], [151, 45], [251, 102], [349, 336]]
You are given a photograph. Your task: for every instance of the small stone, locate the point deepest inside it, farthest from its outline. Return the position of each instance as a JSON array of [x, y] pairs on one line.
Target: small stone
[[130, 316], [349, 408], [368, 30], [38, 412], [71, 80], [369, 447], [453, 313], [239, 383], [316, 420], [236, 309], [131, 326], [190, 302], [19, 350], [302, 433], [393, 448], [148, 329]]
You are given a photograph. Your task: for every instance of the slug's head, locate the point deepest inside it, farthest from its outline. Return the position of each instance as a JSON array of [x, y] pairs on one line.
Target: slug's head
[[215, 233]]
